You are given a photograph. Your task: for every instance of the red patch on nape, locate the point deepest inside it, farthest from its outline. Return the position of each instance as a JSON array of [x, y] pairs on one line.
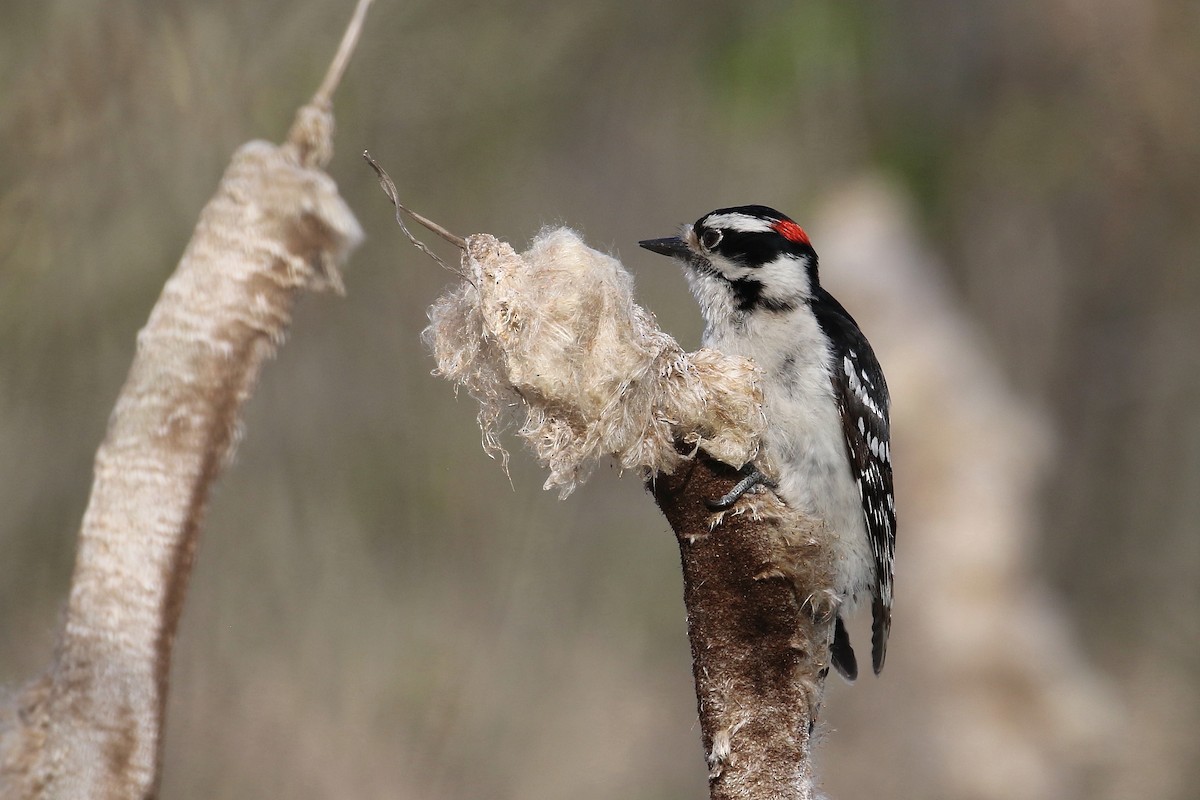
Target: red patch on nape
[[791, 231]]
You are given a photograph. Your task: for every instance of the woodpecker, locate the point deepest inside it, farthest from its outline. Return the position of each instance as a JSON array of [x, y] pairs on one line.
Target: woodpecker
[[754, 273]]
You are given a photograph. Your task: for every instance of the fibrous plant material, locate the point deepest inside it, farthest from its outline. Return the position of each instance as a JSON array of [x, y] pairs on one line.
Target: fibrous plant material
[[90, 726], [553, 335]]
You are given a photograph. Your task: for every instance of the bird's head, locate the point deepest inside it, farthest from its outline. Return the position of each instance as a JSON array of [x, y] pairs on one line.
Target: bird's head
[[751, 257]]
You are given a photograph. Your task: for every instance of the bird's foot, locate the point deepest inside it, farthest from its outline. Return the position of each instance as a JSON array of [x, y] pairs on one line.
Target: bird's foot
[[751, 478]]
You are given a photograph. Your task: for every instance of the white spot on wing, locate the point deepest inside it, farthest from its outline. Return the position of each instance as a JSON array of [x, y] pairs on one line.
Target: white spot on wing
[[856, 386]]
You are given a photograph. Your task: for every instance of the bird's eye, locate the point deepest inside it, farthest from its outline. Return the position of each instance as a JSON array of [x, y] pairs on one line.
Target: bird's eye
[[710, 239]]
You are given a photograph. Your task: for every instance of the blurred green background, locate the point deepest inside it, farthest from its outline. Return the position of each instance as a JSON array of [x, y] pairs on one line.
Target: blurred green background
[[377, 611]]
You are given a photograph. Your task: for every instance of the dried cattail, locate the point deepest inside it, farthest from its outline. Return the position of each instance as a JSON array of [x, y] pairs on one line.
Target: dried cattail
[[554, 336], [91, 725]]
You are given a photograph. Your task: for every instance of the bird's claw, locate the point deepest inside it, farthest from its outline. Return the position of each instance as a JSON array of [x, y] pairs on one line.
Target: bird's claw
[[749, 481]]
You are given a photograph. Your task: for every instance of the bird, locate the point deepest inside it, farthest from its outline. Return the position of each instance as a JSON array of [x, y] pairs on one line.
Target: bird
[[753, 271]]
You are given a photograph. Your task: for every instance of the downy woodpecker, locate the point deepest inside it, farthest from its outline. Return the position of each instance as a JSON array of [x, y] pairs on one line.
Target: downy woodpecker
[[754, 273]]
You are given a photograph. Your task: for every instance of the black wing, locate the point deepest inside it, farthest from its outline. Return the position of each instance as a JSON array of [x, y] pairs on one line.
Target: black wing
[[863, 401]]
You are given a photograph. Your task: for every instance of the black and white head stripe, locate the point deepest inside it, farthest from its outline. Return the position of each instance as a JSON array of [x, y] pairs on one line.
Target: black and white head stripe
[[765, 257], [767, 231], [862, 397]]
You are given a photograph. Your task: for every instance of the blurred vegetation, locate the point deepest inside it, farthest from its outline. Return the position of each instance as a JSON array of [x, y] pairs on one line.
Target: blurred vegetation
[[370, 587]]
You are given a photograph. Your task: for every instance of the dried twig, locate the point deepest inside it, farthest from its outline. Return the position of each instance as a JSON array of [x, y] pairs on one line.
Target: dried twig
[[389, 188], [337, 67]]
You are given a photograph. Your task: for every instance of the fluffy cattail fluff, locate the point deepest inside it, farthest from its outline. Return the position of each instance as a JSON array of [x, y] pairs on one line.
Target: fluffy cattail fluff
[[554, 333]]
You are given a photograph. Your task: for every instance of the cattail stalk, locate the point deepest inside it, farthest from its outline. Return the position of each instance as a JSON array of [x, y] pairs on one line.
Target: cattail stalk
[[753, 584], [91, 725], [552, 341]]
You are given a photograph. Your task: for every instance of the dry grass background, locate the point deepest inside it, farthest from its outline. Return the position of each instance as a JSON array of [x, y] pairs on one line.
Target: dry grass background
[[376, 611]]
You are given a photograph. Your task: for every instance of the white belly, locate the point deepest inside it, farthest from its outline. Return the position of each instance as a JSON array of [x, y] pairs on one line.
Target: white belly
[[806, 444], [815, 477]]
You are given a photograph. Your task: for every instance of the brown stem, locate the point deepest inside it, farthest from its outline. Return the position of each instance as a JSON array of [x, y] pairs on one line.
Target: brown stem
[[759, 653]]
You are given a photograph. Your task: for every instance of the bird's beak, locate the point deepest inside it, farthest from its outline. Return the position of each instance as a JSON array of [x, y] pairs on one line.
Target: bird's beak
[[670, 246]]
